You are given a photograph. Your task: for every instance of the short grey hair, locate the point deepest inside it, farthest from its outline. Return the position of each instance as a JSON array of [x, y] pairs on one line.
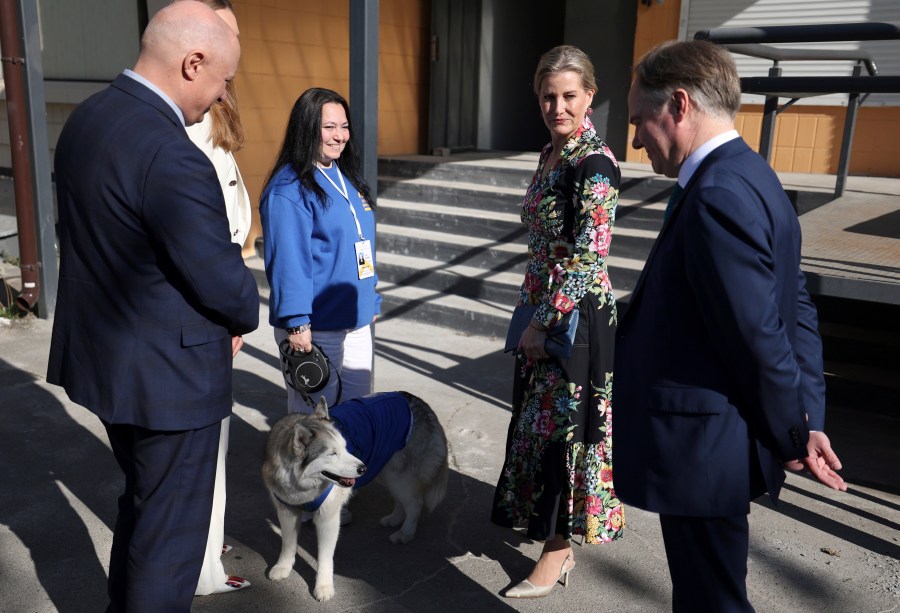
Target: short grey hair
[[705, 70]]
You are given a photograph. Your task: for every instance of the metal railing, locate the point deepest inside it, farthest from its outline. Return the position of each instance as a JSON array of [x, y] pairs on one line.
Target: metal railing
[[753, 42]]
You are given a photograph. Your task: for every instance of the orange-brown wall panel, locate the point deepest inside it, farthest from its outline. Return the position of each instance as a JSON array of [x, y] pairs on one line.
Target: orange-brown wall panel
[[655, 23], [398, 39], [402, 13], [395, 128], [394, 68], [876, 146], [397, 97]]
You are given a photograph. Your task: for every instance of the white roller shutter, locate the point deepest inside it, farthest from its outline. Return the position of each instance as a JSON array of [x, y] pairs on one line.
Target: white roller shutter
[[709, 14]]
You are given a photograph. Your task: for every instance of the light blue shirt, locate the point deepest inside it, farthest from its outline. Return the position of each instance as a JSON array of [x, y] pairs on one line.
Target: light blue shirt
[[133, 75], [696, 158]]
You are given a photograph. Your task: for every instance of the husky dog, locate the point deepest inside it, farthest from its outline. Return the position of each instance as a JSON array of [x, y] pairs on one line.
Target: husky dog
[[313, 463]]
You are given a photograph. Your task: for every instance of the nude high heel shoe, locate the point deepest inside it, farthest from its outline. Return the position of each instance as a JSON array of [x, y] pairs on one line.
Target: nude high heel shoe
[[526, 589]]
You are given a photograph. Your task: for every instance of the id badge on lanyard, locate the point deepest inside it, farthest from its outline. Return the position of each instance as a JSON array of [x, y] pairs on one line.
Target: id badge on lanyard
[[364, 265]]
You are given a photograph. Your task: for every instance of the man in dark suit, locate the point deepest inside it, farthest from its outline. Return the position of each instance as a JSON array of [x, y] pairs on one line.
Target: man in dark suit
[[718, 365], [153, 297]]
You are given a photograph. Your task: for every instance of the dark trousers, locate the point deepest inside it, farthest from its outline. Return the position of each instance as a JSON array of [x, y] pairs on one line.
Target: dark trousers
[[708, 562], [163, 520]]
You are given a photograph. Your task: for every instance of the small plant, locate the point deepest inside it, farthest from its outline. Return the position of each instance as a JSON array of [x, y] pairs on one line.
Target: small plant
[[8, 308], [13, 260]]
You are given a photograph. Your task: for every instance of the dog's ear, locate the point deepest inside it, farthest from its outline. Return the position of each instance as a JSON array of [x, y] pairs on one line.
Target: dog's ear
[[321, 408], [301, 439]]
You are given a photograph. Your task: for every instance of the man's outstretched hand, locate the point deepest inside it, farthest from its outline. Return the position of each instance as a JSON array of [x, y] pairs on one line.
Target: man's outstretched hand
[[821, 461]]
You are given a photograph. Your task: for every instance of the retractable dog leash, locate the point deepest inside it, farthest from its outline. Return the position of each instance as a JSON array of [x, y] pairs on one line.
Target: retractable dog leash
[[307, 371]]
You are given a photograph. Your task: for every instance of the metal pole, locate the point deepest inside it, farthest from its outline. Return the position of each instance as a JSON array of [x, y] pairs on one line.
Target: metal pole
[[770, 110], [13, 76], [364, 86], [847, 142], [812, 33], [45, 218], [364, 94]]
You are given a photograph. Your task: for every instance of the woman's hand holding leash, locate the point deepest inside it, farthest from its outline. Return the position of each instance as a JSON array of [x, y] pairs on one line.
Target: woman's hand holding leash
[[301, 341]]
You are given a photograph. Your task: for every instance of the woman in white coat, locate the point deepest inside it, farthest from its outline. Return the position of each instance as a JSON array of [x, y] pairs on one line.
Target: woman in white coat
[[219, 135]]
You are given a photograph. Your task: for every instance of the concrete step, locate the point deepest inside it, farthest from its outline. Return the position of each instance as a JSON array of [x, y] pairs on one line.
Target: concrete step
[[500, 227], [485, 253], [451, 248], [514, 170], [451, 193], [480, 317], [632, 245], [502, 199], [454, 279], [636, 225], [500, 286], [511, 170]]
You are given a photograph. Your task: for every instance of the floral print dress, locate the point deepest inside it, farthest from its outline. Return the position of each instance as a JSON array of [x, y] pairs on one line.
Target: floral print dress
[[557, 476]]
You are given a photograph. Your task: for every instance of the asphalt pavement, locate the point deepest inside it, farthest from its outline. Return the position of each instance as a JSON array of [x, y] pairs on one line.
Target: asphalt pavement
[[820, 550]]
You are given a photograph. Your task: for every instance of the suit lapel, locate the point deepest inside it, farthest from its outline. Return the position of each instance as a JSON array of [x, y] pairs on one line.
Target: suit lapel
[[729, 149]]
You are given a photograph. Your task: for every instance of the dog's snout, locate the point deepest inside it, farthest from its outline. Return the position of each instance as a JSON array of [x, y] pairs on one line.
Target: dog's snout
[[361, 470]]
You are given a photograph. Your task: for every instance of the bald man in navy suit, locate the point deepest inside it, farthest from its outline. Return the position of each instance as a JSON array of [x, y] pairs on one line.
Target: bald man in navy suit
[[719, 382], [153, 297]]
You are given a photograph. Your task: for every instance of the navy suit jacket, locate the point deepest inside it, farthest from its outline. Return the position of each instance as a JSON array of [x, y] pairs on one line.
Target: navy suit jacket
[[718, 357], [151, 287]]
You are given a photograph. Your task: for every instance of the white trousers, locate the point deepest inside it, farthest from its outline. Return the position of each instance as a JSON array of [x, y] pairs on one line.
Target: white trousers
[[350, 353], [212, 575]]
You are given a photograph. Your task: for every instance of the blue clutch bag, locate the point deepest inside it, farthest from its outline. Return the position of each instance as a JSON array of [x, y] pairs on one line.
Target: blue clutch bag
[[560, 338]]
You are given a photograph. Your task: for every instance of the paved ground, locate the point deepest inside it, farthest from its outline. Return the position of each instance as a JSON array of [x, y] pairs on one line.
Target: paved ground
[[819, 551]]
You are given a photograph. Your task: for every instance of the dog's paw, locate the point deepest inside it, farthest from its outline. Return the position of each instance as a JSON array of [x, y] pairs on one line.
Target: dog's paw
[[391, 521], [401, 537], [323, 592], [280, 571]]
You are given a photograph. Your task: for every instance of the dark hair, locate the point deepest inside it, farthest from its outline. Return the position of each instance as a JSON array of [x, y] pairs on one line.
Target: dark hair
[[705, 70], [303, 143]]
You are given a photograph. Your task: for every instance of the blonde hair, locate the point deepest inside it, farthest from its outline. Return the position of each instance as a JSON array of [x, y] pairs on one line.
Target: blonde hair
[[227, 132], [562, 59]]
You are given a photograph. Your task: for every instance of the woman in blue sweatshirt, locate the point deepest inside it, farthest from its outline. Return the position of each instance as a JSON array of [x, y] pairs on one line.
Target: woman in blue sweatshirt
[[319, 237]]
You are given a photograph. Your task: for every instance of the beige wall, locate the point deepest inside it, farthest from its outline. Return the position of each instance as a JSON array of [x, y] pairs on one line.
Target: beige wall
[[807, 138]]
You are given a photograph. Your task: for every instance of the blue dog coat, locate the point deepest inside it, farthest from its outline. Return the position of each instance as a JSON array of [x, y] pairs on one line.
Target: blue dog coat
[[375, 427]]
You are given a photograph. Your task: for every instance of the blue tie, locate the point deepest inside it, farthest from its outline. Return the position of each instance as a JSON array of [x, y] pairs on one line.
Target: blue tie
[[673, 198]]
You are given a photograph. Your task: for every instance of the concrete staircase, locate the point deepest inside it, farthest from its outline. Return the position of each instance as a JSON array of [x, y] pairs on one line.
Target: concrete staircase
[[451, 246], [452, 252]]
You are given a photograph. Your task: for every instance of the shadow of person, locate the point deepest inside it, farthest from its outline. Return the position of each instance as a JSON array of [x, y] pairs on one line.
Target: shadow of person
[[59, 488]]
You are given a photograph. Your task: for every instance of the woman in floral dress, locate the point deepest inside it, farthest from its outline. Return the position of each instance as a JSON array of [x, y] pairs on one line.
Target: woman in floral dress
[[557, 477]]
